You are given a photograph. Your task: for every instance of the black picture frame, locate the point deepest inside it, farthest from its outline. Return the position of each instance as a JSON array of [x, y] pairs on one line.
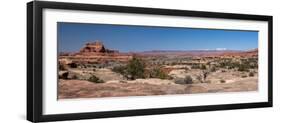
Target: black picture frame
[[35, 69]]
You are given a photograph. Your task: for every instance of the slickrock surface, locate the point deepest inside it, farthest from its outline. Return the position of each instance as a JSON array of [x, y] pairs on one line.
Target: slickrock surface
[[84, 89]]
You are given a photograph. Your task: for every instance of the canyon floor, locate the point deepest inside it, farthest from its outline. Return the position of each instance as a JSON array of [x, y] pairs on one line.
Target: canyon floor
[[84, 89]]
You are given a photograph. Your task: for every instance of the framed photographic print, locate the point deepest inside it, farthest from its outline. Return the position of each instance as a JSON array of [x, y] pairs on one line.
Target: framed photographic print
[[89, 61]]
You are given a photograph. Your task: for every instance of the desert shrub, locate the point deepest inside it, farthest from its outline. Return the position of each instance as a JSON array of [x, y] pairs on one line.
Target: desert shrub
[[223, 71], [251, 74], [231, 67], [135, 68], [213, 69], [199, 78], [120, 69], [254, 65], [224, 64], [64, 75], [73, 65], [242, 68], [203, 67], [195, 66], [205, 74], [222, 81], [62, 67], [158, 73], [95, 79], [244, 76], [229, 64], [173, 63], [82, 66], [74, 77], [245, 62], [188, 80], [186, 68], [179, 80]]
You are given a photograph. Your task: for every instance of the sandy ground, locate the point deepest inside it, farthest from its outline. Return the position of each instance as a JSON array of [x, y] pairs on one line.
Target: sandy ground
[[85, 89]]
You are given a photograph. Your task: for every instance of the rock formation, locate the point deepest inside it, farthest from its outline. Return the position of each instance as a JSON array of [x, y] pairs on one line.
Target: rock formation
[[95, 52], [95, 47]]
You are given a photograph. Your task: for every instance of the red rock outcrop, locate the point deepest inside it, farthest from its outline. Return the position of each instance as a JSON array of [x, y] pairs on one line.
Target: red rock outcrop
[[95, 47], [95, 52]]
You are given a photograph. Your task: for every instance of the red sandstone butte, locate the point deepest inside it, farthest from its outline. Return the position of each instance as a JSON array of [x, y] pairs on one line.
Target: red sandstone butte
[[95, 52]]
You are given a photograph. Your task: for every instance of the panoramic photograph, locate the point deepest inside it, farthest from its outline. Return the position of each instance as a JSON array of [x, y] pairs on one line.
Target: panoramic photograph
[[106, 60]]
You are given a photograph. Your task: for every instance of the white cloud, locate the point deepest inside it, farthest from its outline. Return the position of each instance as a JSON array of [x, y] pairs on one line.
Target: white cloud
[[220, 48]]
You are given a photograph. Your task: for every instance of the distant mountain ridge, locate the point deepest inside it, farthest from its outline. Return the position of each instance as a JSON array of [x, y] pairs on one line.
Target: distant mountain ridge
[[97, 48], [207, 50], [252, 52]]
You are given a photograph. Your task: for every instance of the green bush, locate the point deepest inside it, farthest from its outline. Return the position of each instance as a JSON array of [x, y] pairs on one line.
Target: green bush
[[135, 68], [95, 79]]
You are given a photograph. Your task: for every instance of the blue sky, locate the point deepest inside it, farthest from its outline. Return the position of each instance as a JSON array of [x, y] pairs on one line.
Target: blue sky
[[73, 36]]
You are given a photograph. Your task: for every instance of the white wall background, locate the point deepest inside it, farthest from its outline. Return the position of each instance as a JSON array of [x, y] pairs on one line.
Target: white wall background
[[13, 61]]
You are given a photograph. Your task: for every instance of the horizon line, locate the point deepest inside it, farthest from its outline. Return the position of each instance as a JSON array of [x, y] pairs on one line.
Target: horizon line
[[190, 50]]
